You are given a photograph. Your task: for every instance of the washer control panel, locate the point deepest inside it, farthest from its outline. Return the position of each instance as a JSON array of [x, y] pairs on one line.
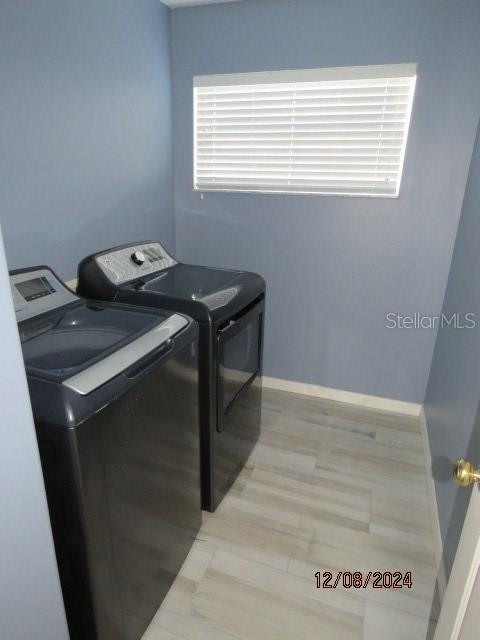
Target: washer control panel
[[128, 263], [37, 291]]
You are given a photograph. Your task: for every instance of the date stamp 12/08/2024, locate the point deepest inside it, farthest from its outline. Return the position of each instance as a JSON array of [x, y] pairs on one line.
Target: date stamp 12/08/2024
[[362, 580]]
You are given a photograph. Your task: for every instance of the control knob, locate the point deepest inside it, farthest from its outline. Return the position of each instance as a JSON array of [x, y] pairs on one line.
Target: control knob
[[138, 257]]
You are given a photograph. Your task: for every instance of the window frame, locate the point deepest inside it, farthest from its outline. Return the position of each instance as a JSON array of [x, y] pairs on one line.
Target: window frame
[[370, 72]]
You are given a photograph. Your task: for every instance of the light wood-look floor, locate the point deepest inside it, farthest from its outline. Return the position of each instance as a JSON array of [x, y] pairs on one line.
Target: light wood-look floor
[[328, 486]]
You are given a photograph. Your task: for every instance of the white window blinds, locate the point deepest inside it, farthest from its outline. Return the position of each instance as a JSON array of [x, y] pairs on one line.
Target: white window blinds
[[332, 131]]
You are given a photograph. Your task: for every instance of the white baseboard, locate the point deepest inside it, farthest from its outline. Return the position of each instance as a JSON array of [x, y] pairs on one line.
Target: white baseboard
[[432, 500], [327, 393]]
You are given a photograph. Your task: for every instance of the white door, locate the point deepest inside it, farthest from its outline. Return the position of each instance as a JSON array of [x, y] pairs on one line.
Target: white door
[[460, 617], [31, 604]]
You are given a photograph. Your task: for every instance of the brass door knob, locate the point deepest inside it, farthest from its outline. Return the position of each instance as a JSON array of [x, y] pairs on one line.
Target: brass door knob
[[464, 473]]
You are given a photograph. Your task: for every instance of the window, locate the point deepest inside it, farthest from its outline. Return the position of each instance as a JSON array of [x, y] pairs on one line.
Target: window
[[330, 131]]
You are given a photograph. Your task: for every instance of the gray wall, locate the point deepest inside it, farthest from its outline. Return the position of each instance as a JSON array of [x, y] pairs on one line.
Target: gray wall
[[453, 395], [334, 265], [85, 128], [31, 603]]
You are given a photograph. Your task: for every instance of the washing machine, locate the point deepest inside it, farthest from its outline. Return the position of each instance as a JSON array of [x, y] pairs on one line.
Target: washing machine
[[229, 307], [114, 393]]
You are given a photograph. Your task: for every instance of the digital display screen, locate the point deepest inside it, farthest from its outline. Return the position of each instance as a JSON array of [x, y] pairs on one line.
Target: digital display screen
[[35, 288]]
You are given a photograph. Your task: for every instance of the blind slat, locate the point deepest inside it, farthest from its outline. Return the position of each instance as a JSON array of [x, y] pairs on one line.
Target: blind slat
[[302, 105], [370, 115], [307, 142], [333, 176], [286, 156], [327, 98], [329, 165], [303, 87]]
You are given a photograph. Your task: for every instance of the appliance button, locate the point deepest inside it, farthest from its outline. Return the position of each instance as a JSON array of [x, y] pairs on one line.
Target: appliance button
[[138, 257]]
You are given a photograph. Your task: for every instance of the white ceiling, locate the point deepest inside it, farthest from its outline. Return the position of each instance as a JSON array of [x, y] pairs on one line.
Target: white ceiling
[[175, 4]]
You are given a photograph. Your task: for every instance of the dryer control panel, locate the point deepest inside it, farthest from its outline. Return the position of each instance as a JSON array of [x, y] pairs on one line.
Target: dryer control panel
[[128, 263], [37, 291]]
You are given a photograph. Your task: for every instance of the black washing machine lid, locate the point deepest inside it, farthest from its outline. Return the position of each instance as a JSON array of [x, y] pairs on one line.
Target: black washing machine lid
[[82, 355], [62, 343]]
